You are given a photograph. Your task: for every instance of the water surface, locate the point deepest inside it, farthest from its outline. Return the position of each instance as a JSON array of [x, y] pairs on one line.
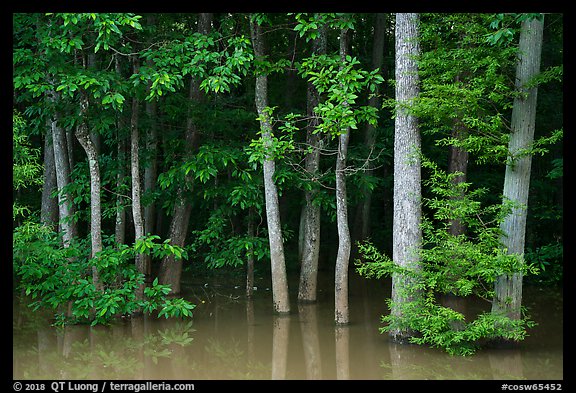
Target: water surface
[[231, 337]]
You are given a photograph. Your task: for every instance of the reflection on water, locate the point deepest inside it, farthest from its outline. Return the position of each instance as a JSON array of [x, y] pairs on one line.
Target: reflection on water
[[231, 337]]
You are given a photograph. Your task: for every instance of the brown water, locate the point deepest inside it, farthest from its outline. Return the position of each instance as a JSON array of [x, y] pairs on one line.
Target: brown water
[[231, 337]]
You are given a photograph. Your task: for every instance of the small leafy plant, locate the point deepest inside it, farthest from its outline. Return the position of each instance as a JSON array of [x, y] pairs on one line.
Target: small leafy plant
[[59, 278], [465, 265]]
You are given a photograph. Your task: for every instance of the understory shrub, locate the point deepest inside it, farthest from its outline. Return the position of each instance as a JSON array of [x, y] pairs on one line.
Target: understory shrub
[[464, 265], [60, 278]]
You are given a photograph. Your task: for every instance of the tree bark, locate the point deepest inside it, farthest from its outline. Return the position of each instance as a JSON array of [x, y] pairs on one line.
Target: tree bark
[[341, 312], [278, 265], [508, 288], [137, 216], [49, 205], [171, 267], [67, 227], [151, 169], [87, 144], [250, 256], [120, 220], [407, 235], [307, 290], [370, 130]]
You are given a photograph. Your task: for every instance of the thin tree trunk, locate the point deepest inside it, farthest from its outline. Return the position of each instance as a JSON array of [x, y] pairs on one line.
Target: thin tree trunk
[[370, 131], [70, 148], [307, 290], [150, 174], [407, 234], [65, 207], [49, 205], [250, 256], [278, 265], [151, 169], [171, 267], [136, 187], [120, 221], [508, 288], [83, 137], [341, 312]]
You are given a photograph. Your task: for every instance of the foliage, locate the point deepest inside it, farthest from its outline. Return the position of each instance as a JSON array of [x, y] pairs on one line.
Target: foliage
[[464, 84], [340, 82], [26, 167], [463, 266], [60, 278], [467, 79], [548, 260]]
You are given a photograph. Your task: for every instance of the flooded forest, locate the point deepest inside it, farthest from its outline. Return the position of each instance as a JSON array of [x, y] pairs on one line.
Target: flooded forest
[[287, 196]]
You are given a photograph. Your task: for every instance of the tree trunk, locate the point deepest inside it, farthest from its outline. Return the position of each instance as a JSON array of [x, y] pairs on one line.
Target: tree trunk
[[307, 289], [171, 267], [136, 187], [407, 234], [120, 221], [250, 256], [83, 137], [370, 131], [278, 265], [341, 312], [65, 207], [508, 288], [49, 205], [151, 169]]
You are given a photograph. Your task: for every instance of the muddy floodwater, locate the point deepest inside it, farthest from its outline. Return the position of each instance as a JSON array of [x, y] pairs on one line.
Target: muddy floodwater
[[231, 337]]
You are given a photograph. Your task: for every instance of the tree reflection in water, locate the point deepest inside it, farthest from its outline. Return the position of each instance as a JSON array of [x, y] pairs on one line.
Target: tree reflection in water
[[231, 337]]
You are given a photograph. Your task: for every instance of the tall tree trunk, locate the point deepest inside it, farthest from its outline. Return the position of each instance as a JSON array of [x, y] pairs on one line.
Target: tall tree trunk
[[171, 267], [49, 205], [120, 221], [370, 131], [67, 227], [150, 174], [508, 288], [250, 256], [278, 264], [341, 312], [136, 186], [307, 289], [151, 169], [407, 234], [83, 136]]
